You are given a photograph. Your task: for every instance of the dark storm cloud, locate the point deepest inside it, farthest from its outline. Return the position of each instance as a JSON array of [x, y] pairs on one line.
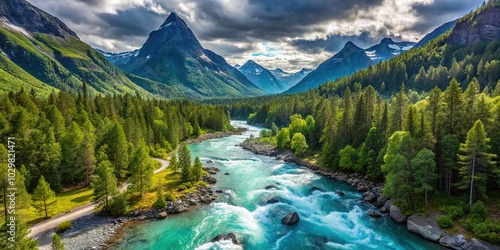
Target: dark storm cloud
[[273, 20], [439, 12], [132, 22]]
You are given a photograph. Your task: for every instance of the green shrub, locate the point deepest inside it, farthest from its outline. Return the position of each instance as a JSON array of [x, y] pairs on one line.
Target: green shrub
[[478, 211], [188, 185], [118, 205], [444, 221], [204, 184], [455, 212], [170, 196], [181, 187], [64, 226]]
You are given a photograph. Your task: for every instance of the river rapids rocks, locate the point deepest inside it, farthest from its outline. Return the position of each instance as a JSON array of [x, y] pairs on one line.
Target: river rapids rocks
[[290, 219]]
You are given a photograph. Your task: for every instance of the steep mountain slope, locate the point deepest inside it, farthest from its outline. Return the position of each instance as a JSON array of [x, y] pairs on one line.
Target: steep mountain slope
[[40, 51], [349, 60], [173, 56], [262, 77], [387, 49], [290, 79], [436, 33], [471, 50]]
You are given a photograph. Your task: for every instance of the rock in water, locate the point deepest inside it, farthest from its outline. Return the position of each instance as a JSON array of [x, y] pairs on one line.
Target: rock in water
[[339, 193], [374, 214], [426, 227], [397, 215], [454, 242], [273, 200], [316, 189], [270, 187], [230, 236], [291, 218]]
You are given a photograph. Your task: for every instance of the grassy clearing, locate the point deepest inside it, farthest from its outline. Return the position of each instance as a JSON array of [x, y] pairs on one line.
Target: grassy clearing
[[66, 201]]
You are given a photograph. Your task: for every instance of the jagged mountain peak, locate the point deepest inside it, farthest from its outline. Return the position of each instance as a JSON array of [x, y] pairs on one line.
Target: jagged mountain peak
[[350, 46], [173, 19], [15, 14]]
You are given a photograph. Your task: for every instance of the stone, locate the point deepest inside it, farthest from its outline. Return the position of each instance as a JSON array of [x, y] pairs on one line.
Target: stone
[[219, 191], [397, 215], [210, 161], [474, 244], [291, 218], [273, 200], [226, 173], [454, 242], [270, 187], [339, 193], [381, 200], [370, 197], [162, 214], [374, 214], [230, 236], [316, 189], [426, 227], [387, 206]]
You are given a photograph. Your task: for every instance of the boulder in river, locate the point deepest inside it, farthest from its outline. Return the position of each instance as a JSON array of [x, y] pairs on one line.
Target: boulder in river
[[387, 207], [162, 215], [397, 215], [291, 218], [230, 236], [374, 214], [426, 227], [316, 189], [381, 200], [474, 244], [454, 242], [270, 187], [339, 193], [273, 200], [370, 197]]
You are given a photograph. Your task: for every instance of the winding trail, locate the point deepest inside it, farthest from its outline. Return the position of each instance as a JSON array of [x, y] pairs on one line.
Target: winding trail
[[81, 210]]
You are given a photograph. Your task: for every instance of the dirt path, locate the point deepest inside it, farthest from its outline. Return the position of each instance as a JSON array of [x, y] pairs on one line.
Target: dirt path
[[81, 210]]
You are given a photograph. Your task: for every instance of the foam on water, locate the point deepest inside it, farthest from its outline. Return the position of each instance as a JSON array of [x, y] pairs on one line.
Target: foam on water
[[220, 245]]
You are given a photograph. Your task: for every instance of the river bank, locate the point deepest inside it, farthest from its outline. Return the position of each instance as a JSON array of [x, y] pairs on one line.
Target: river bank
[[372, 192], [96, 232]]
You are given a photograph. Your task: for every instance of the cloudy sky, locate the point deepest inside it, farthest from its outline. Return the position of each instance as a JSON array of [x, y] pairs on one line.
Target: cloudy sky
[[290, 34]]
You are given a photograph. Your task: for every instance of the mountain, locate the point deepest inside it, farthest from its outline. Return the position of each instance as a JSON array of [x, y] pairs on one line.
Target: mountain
[[349, 60], [470, 52], [290, 79], [172, 56], [119, 59], [262, 77], [436, 33], [38, 51], [387, 49]]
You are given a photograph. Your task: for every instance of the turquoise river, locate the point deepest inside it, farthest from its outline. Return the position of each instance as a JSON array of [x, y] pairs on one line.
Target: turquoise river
[[328, 221]]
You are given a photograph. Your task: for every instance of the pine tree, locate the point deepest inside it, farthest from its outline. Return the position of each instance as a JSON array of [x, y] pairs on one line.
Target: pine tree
[[117, 149], [398, 108], [104, 181], [448, 159], [71, 143], [274, 129], [20, 241], [57, 242], [424, 166], [141, 170], [197, 169], [475, 160], [185, 161], [160, 198], [453, 108], [174, 163], [44, 199]]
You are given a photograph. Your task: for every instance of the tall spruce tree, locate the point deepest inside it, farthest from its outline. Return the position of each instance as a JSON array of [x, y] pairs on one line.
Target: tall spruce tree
[[44, 199]]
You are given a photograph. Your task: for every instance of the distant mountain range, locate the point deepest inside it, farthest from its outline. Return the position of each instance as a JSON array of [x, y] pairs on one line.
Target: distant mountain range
[[290, 79], [387, 49], [262, 77]]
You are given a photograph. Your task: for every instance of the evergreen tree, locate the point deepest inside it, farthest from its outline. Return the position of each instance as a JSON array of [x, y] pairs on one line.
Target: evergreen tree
[[174, 163], [453, 108], [44, 199], [398, 107], [57, 242], [184, 161], [424, 167], [104, 181], [71, 143], [197, 169], [141, 170], [117, 149], [299, 144], [160, 198], [448, 159], [475, 160], [20, 241], [434, 108], [399, 172]]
